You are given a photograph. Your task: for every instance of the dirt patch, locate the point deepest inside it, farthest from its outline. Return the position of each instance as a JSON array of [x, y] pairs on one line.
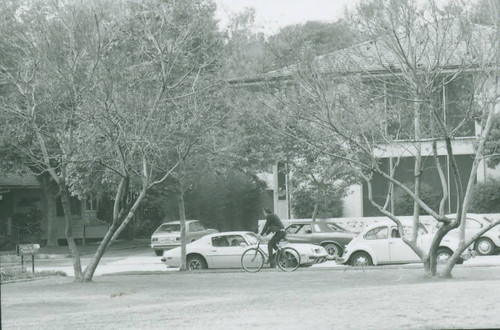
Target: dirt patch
[[374, 299]]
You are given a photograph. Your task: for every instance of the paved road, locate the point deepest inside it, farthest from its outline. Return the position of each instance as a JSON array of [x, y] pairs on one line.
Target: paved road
[[144, 260], [130, 260]]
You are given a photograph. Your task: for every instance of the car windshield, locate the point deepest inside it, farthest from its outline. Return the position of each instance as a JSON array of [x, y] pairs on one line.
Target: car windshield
[[324, 228], [168, 228], [488, 220], [335, 227], [252, 238]]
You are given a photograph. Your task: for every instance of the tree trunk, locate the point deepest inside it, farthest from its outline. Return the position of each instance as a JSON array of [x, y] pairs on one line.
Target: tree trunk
[[49, 198], [130, 213], [435, 246], [182, 217], [51, 219], [90, 269], [427, 266], [119, 223], [417, 170], [66, 204], [315, 212]]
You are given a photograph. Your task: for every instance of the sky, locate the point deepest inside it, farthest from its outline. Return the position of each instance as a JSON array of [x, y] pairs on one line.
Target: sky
[[271, 15]]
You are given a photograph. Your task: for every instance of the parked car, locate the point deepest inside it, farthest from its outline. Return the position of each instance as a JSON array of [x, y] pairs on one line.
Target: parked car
[[168, 235], [486, 244], [380, 243], [330, 235], [224, 250]]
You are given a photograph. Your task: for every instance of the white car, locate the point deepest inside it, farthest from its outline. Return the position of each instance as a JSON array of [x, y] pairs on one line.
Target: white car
[[380, 243], [224, 250], [486, 244], [168, 235]]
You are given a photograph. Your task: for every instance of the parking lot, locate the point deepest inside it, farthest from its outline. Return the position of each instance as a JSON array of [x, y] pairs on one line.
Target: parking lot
[[142, 260], [323, 298]]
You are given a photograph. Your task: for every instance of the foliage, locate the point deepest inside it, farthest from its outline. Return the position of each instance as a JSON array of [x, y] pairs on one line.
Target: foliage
[[246, 52], [486, 197], [403, 203], [492, 146], [29, 222], [228, 200], [320, 37], [303, 204], [18, 274]]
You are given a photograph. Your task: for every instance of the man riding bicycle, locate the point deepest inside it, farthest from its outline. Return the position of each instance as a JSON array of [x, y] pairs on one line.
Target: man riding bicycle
[[273, 225]]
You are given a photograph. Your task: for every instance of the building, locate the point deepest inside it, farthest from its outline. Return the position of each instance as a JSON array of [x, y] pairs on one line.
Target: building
[[21, 193], [456, 58]]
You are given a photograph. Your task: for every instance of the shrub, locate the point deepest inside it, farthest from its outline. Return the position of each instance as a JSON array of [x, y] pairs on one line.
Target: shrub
[[403, 204], [18, 274], [330, 206], [486, 198], [29, 222]]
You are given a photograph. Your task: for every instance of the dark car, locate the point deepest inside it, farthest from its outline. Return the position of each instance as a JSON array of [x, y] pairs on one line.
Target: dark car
[[330, 235]]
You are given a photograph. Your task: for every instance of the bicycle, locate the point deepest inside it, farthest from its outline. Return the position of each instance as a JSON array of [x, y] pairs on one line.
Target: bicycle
[[287, 259]]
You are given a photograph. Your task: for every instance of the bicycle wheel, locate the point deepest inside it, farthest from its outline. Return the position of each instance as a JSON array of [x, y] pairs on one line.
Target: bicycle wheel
[[288, 259], [252, 260]]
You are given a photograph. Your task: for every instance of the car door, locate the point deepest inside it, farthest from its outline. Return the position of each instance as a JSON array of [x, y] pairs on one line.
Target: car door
[[472, 227], [377, 240], [226, 251], [299, 233], [399, 251]]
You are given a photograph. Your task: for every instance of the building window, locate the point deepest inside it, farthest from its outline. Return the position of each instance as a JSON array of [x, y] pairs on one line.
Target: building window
[[454, 101], [91, 204], [75, 205]]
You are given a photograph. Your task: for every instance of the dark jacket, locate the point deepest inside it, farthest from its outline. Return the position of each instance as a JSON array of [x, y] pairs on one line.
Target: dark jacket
[[273, 224]]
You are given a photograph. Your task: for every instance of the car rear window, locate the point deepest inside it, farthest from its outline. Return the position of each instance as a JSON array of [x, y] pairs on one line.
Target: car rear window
[[168, 228], [377, 233], [196, 226]]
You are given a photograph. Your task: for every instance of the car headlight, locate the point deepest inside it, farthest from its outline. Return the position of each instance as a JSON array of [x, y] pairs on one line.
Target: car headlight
[[155, 239]]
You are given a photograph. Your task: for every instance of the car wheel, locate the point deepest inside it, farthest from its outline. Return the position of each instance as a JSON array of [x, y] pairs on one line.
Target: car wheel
[[484, 246], [443, 256], [196, 262], [333, 250], [159, 252], [361, 259]]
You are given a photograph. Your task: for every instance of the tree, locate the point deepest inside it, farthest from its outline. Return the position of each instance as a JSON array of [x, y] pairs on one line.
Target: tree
[[156, 100], [50, 56], [319, 38], [354, 106], [111, 94]]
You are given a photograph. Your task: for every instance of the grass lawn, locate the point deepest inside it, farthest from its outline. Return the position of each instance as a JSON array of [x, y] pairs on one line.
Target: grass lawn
[[378, 298], [89, 248]]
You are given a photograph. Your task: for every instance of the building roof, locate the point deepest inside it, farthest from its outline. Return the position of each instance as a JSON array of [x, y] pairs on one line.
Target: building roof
[[18, 180], [445, 44]]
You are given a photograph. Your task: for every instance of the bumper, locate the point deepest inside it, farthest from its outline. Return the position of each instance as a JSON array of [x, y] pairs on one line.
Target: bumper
[[467, 254], [164, 246], [170, 262], [340, 260], [313, 260]]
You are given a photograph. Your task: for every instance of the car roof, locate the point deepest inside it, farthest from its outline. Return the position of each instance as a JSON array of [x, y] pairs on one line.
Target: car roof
[[178, 222], [383, 223], [226, 233], [300, 222]]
